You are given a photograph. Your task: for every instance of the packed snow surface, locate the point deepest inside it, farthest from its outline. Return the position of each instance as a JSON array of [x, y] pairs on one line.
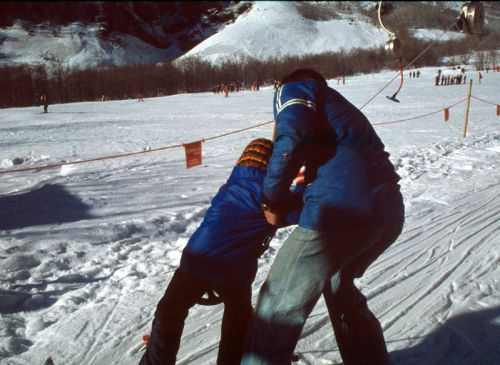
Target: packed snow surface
[[88, 249]]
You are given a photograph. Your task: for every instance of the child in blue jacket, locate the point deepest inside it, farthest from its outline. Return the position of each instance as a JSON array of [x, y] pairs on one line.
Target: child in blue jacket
[[220, 260]]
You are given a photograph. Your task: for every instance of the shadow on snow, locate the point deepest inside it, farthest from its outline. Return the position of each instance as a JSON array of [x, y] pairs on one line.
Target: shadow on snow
[[465, 339], [50, 204]]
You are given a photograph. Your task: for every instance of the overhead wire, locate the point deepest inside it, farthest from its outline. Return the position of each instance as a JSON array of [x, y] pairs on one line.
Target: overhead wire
[[408, 65]]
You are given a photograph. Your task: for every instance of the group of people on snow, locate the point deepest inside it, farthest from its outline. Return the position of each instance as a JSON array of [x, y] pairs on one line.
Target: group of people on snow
[[414, 74], [235, 86], [325, 171], [453, 76]]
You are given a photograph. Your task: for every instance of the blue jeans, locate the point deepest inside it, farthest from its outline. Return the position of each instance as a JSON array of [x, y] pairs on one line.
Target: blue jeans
[[311, 263]]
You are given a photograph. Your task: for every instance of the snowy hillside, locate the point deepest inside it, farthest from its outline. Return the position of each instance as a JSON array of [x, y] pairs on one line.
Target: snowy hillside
[[277, 29], [86, 250], [84, 34], [75, 46], [264, 29], [433, 34]]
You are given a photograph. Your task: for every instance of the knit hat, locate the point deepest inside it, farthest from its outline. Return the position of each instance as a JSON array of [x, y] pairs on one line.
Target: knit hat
[[256, 154]]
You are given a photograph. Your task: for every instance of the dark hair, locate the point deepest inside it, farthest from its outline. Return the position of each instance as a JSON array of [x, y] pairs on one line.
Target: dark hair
[[303, 74]]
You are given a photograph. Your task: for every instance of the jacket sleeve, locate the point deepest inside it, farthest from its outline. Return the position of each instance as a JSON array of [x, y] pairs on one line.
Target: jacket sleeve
[[295, 112]]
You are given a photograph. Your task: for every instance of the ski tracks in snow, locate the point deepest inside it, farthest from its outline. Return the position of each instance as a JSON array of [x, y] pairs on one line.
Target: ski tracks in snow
[[445, 263]]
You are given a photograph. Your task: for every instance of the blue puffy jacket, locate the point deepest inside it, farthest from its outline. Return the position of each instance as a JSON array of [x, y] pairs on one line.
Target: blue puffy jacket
[[353, 183], [234, 233]]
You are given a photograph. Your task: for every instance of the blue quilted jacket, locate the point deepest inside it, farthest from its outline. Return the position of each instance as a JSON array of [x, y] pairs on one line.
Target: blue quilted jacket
[[225, 247], [352, 181]]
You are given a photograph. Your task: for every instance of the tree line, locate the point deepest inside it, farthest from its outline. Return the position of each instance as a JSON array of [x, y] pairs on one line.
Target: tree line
[[21, 83]]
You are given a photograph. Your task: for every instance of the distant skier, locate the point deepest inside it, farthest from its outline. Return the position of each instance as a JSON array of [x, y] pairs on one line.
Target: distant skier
[[220, 258], [45, 102]]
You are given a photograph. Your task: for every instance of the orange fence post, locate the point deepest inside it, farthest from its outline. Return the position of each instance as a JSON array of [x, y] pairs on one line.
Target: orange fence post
[[446, 114]]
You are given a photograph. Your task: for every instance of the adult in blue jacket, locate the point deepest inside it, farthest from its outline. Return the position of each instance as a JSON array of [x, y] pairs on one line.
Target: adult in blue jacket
[[219, 262], [353, 211]]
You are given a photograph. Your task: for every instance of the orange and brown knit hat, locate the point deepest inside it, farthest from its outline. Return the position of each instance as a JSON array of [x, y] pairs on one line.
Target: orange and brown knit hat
[[256, 154]]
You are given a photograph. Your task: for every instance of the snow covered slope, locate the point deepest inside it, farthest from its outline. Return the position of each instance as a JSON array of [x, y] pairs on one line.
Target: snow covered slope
[[87, 250], [85, 34], [275, 28], [75, 46]]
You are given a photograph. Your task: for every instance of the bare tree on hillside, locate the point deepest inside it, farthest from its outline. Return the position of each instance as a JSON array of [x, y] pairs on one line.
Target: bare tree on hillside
[[480, 60], [492, 57]]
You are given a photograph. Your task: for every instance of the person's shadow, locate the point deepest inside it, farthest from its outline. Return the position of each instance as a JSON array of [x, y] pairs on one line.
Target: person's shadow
[[472, 338], [50, 204]]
